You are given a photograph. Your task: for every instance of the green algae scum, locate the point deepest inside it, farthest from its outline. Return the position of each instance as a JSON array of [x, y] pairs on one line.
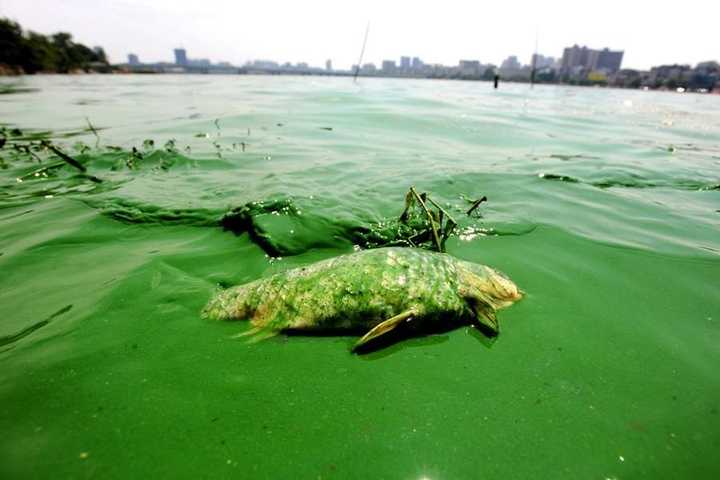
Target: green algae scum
[[603, 206]]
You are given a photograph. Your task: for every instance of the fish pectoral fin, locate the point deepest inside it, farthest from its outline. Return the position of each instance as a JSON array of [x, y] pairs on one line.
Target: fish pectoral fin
[[486, 321], [256, 334], [384, 327]]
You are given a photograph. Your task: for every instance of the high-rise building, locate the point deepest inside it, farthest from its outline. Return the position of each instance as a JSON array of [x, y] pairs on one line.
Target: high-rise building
[[405, 63], [511, 63], [606, 60], [388, 66], [417, 64], [469, 67], [584, 58], [574, 57], [180, 56], [540, 61], [328, 65], [133, 59]]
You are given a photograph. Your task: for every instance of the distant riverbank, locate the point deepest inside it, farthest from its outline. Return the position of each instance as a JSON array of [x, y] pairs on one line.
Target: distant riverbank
[[28, 52]]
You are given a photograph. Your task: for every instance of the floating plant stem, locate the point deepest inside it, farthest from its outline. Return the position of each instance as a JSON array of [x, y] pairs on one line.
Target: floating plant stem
[[65, 157], [476, 204], [433, 226], [449, 224], [92, 129]]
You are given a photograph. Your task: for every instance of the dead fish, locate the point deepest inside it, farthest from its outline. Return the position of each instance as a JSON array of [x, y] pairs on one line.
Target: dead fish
[[374, 291]]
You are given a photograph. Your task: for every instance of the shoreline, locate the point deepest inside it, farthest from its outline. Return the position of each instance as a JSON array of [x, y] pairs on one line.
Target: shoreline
[[5, 74]]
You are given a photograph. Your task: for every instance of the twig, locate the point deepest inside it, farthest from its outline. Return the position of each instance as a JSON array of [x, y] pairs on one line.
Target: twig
[[92, 129], [409, 200], [442, 211], [65, 157], [476, 204], [449, 226], [430, 217], [28, 150]]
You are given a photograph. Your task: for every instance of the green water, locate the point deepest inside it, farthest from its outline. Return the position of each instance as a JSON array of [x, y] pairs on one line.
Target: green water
[[604, 206]]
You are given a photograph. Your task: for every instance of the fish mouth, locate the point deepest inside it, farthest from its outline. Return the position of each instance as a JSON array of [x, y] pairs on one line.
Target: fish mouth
[[505, 289]]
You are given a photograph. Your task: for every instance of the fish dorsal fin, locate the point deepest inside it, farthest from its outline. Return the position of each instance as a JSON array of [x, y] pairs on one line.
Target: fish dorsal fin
[[384, 327]]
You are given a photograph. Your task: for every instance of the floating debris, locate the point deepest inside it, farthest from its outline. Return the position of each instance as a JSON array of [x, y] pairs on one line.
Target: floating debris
[[170, 146], [10, 89], [475, 205], [281, 229], [561, 178], [8, 339], [94, 131], [437, 222], [65, 157]]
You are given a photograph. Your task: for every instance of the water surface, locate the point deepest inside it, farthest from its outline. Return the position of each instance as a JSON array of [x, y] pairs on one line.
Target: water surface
[[604, 206]]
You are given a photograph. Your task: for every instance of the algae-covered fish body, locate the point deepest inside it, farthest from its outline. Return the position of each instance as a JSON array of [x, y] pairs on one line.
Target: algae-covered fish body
[[374, 291]]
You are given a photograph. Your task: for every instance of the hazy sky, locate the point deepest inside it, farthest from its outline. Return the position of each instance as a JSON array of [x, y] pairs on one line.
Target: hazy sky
[[444, 31]]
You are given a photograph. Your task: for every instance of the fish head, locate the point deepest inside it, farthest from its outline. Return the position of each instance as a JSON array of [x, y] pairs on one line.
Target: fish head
[[486, 290]]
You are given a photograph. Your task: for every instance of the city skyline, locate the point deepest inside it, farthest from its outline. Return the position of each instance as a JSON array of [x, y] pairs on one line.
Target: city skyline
[[319, 30], [579, 65]]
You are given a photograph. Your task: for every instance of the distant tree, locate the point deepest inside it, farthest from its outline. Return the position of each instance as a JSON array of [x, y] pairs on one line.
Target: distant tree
[[100, 55], [33, 52], [11, 43], [42, 56]]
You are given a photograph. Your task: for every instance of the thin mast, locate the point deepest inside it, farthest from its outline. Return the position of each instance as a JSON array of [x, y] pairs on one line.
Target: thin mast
[[362, 53], [534, 59]]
